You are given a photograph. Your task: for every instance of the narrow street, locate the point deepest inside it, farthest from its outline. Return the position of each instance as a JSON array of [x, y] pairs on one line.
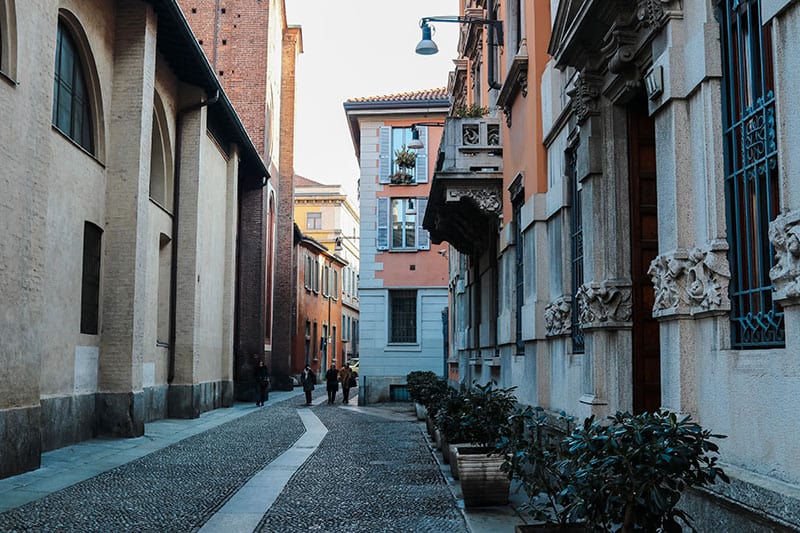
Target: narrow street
[[280, 468]]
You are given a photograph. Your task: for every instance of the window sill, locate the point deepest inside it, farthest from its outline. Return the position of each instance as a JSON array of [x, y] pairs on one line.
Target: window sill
[[78, 146], [401, 250]]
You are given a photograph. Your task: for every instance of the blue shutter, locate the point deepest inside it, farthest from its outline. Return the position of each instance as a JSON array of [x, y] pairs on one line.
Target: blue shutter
[[421, 170], [423, 237], [385, 154], [383, 224]]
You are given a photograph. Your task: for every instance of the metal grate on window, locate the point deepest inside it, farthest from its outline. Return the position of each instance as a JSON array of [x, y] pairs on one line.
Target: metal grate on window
[[751, 174], [403, 320], [576, 244]]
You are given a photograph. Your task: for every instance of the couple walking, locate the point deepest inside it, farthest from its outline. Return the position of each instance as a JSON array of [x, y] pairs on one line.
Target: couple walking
[[345, 376]]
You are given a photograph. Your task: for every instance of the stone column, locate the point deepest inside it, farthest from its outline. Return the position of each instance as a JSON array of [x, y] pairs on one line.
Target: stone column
[[120, 402]]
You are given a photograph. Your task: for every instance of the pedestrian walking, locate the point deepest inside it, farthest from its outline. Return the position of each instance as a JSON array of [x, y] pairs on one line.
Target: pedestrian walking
[[346, 378], [308, 380], [262, 377], [332, 381]]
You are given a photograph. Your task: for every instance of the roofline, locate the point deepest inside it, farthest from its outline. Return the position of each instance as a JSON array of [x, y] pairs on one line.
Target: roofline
[[397, 104], [249, 153]]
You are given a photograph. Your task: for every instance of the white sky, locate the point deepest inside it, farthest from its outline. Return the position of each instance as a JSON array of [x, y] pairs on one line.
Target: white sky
[[354, 48]]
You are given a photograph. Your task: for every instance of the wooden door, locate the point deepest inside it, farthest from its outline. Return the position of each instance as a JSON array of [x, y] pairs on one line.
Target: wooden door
[[644, 248]]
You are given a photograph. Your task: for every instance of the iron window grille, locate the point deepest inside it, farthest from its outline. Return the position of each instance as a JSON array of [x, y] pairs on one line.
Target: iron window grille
[[576, 245], [403, 319], [751, 174]]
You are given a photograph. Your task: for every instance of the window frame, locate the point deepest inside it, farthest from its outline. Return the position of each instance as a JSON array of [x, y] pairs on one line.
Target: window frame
[[67, 91], [91, 277], [398, 334]]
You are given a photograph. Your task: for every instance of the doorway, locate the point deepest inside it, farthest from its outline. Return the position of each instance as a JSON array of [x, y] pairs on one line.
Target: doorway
[[644, 248]]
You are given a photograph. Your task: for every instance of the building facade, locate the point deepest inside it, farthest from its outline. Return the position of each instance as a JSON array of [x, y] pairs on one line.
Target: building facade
[[254, 54], [403, 283], [125, 166], [325, 213], [640, 250], [317, 341]]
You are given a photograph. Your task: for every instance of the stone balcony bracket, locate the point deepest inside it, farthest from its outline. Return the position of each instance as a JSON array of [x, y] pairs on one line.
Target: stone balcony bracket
[[784, 234]]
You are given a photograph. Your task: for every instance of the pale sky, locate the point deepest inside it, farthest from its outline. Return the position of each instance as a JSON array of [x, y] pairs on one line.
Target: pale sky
[[354, 48]]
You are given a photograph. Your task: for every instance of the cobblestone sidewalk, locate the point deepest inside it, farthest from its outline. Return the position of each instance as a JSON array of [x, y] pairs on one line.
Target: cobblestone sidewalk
[[370, 474], [173, 489]]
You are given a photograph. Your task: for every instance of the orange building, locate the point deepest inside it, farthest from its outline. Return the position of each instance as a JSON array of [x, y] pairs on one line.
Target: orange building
[[317, 338]]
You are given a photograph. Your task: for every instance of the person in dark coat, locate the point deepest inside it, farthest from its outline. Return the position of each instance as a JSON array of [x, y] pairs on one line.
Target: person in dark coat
[[345, 376], [262, 377], [308, 380], [332, 381]]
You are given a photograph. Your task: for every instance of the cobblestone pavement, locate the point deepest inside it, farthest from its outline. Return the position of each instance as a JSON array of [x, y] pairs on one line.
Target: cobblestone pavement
[[370, 474], [174, 489]]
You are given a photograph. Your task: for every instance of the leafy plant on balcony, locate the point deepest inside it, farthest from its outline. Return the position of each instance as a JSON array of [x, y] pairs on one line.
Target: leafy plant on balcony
[[471, 111], [405, 159]]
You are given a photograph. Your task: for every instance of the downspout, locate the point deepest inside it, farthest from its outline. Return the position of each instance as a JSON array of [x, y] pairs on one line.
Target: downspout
[[497, 33], [176, 188]]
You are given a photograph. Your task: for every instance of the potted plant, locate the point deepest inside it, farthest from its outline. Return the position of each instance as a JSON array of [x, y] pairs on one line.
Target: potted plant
[[418, 382], [471, 111], [535, 455], [448, 422], [485, 414], [405, 159], [630, 471]]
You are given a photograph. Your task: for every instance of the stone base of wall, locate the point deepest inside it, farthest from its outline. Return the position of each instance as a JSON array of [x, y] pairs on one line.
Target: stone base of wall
[[745, 506], [120, 414], [20, 440], [376, 388], [67, 420], [188, 401], [155, 403]]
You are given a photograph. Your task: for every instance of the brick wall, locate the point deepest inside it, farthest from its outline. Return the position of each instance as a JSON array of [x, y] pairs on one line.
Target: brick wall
[[233, 34]]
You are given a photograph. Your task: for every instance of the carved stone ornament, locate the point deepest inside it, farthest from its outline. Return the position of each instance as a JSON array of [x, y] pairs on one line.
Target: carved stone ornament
[[584, 96], [654, 13], [691, 282], [487, 200], [784, 233], [558, 317], [605, 304]]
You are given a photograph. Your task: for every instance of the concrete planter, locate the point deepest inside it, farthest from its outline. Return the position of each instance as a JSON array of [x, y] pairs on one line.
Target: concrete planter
[[550, 528], [483, 484], [451, 453], [429, 424], [420, 411], [437, 438]]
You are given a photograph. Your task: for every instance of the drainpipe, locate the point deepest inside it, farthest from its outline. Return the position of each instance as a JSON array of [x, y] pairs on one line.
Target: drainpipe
[[176, 188], [498, 36]]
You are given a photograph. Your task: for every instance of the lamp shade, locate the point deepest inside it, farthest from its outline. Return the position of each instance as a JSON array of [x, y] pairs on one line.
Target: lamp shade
[[426, 46], [415, 143]]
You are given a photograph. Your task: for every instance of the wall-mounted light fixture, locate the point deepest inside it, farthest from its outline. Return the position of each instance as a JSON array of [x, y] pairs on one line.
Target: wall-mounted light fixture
[[416, 143], [427, 47]]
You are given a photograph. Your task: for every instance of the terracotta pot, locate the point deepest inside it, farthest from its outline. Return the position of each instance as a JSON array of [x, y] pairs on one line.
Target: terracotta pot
[[483, 484]]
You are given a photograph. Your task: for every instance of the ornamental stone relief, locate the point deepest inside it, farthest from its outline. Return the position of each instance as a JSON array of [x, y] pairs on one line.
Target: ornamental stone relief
[[558, 317], [487, 200], [584, 95], [654, 13], [784, 233], [691, 282], [605, 304]]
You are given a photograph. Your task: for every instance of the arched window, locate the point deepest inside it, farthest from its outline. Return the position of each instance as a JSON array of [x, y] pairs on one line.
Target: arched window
[[161, 169], [71, 104]]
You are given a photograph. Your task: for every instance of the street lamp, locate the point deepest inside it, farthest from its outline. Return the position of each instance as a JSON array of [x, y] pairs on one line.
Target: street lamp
[[427, 47], [416, 143]]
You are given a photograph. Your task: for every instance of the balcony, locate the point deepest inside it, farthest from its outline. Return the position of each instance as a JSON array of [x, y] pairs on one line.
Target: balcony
[[465, 202]]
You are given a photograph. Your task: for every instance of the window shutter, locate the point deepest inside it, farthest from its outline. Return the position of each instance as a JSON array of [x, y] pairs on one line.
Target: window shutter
[[383, 224], [421, 170], [385, 154], [423, 237]]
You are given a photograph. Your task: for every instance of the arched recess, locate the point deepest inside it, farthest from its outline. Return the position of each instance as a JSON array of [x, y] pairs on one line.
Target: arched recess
[[270, 296], [8, 39], [84, 50], [161, 157]]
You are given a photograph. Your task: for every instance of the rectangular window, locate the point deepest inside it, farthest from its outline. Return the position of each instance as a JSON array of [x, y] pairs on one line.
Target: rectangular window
[[90, 282], [403, 316], [404, 222], [751, 173], [403, 171], [313, 220], [576, 247], [519, 272]]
